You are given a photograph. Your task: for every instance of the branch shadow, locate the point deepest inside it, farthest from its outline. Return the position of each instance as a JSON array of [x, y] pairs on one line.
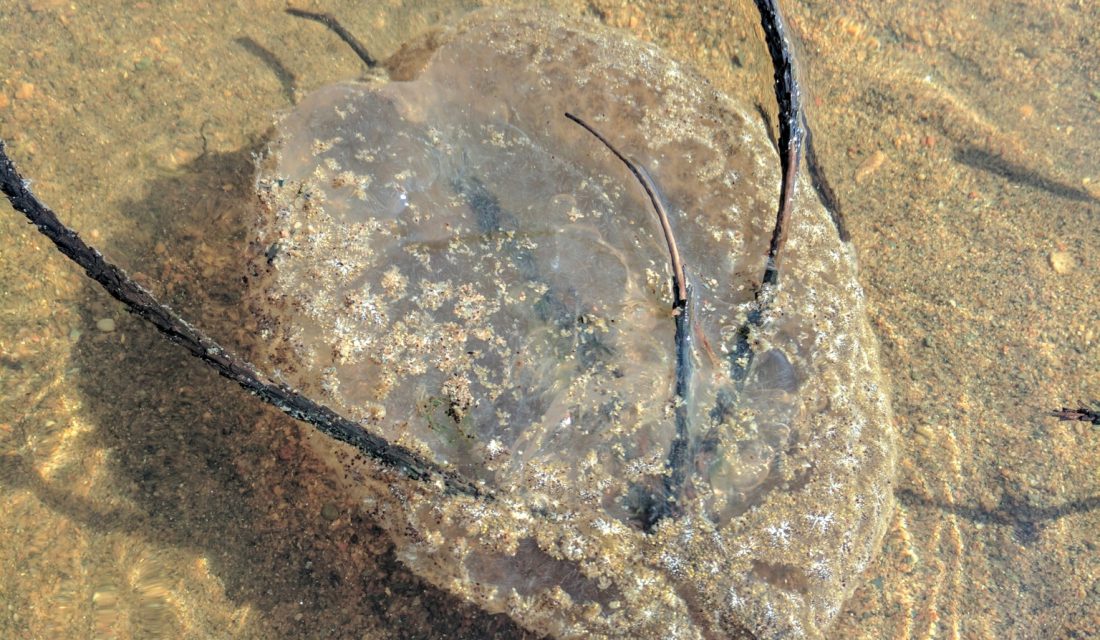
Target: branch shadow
[[1027, 521], [983, 160], [272, 62]]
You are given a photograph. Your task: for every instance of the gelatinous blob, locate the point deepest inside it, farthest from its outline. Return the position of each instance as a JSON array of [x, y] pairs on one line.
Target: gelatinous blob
[[472, 275]]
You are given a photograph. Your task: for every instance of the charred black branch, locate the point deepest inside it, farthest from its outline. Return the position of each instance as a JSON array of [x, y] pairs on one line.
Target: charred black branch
[[334, 26], [792, 131], [144, 305]]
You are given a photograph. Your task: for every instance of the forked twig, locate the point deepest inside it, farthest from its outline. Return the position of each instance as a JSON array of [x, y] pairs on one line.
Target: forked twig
[[144, 305]]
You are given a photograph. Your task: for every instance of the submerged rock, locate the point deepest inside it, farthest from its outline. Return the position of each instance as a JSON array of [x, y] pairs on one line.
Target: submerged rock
[[453, 262]]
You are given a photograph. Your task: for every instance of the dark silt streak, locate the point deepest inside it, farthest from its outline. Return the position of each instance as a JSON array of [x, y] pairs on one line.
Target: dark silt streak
[[492, 218]]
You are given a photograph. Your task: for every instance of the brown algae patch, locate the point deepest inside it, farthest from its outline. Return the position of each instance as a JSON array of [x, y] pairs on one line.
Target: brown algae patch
[[453, 262]]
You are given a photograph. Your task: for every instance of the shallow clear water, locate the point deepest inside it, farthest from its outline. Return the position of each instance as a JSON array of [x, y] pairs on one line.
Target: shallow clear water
[[142, 496]]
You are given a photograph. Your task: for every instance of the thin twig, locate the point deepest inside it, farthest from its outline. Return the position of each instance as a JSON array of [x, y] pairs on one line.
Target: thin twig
[[679, 280], [144, 305], [334, 25], [679, 451]]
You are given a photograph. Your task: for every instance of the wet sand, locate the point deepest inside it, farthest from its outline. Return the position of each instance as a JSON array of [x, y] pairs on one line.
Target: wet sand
[[142, 496]]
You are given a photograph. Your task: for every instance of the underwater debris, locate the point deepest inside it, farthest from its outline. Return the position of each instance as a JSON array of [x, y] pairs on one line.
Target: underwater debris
[[1080, 414]]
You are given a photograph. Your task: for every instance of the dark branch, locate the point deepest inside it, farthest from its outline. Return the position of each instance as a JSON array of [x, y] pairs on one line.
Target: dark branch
[[144, 305], [791, 129], [677, 463], [334, 25], [1080, 414], [792, 133]]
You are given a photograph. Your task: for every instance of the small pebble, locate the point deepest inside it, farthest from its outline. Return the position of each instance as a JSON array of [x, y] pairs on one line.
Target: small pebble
[[1092, 187], [872, 164], [25, 91], [106, 325], [925, 432], [1061, 261], [4, 102], [330, 511]]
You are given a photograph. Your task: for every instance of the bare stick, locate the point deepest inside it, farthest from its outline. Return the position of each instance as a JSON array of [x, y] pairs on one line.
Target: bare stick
[[788, 94], [1081, 414], [334, 25], [679, 281], [678, 453], [144, 305], [792, 132]]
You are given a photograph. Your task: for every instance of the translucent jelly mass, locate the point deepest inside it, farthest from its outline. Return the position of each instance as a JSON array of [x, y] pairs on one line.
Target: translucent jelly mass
[[477, 285], [472, 275]]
